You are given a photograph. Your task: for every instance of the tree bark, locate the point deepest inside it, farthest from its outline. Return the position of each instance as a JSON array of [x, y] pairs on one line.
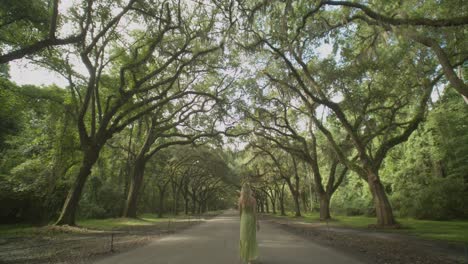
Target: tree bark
[[136, 181], [67, 216], [273, 203], [176, 201], [304, 201], [194, 205], [324, 208], [186, 205], [295, 195], [185, 195], [382, 204], [283, 213], [161, 203]]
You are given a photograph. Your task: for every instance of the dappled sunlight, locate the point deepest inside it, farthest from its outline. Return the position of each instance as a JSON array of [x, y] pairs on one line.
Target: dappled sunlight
[[224, 218], [290, 244], [177, 238]]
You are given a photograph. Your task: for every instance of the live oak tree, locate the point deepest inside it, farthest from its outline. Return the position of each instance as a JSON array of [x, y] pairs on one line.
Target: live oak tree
[[279, 122], [354, 100], [38, 150], [324, 88], [443, 32], [29, 27], [163, 132], [140, 76], [206, 174], [286, 167]]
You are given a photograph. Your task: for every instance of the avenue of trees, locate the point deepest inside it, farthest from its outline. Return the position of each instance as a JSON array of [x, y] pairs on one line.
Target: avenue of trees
[[339, 107]]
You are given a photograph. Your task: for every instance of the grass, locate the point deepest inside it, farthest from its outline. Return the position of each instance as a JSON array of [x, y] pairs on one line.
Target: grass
[[107, 224], [17, 230], [440, 230], [116, 223]]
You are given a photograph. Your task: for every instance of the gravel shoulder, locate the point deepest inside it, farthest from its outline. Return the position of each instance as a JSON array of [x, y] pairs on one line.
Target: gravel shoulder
[[375, 246], [75, 245]]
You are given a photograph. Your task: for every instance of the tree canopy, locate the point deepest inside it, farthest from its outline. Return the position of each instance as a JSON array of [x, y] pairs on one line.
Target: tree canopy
[[355, 107]]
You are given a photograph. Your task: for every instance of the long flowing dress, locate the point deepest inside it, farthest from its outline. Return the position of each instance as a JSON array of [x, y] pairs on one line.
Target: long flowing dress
[[248, 234]]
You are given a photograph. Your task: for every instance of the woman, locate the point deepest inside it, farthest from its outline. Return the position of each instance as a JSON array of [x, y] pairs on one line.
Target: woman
[[248, 235]]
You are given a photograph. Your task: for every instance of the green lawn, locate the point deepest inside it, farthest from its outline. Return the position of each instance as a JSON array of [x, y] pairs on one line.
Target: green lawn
[[116, 223], [16, 230], [95, 224], [106, 224], [441, 230]]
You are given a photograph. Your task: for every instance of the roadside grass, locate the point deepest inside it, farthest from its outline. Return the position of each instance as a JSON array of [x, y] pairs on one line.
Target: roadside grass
[[17, 230], [455, 231], [112, 223], [106, 224]]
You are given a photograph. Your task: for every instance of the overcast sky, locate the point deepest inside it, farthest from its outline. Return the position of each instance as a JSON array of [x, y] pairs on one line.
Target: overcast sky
[[23, 72]]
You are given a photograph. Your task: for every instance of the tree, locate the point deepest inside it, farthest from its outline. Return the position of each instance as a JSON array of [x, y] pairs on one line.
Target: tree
[[280, 125], [140, 77], [442, 34], [39, 151], [162, 132], [354, 100], [287, 169], [29, 27], [428, 173]]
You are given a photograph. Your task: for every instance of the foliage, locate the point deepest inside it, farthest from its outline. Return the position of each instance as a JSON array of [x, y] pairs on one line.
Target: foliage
[[158, 90], [455, 231], [429, 174]]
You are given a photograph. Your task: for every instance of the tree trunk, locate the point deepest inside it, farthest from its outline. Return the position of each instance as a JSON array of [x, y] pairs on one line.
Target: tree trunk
[[324, 207], [186, 205], [273, 205], [194, 205], [67, 216], [175, 195], [295, 196], [282, 201], [176, 202], [161, 203], [266, 205], [297, 204], [304, 201], [204, 206], [382, 204], [136, 181]]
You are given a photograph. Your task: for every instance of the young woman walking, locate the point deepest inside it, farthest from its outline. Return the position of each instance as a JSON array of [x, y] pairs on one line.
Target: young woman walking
[[248, 225]]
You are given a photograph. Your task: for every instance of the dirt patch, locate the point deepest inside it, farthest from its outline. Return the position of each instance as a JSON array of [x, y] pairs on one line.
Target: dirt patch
[[376, 247], [75, 245]]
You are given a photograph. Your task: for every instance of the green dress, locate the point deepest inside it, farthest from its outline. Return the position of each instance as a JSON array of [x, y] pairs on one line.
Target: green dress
[[248, 234]]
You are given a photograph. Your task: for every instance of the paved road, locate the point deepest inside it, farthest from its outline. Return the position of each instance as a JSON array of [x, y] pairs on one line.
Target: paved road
[[216, 242]]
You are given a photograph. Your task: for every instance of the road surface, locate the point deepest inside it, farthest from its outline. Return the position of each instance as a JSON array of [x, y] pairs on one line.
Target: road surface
[[216, 242]]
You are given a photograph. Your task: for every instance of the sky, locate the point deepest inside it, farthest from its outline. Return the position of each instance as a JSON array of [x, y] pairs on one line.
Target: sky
[[24, 72]]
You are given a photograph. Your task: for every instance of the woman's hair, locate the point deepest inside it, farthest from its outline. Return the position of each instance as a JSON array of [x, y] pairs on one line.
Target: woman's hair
[[246, 197]]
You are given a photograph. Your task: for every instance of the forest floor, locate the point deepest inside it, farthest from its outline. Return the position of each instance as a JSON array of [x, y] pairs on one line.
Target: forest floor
[[373, 245], [91, 239]]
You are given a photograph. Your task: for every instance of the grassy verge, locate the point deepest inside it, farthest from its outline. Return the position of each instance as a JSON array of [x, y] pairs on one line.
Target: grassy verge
[[107, 224], [17, 230], [117, 223], [441, 230]]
